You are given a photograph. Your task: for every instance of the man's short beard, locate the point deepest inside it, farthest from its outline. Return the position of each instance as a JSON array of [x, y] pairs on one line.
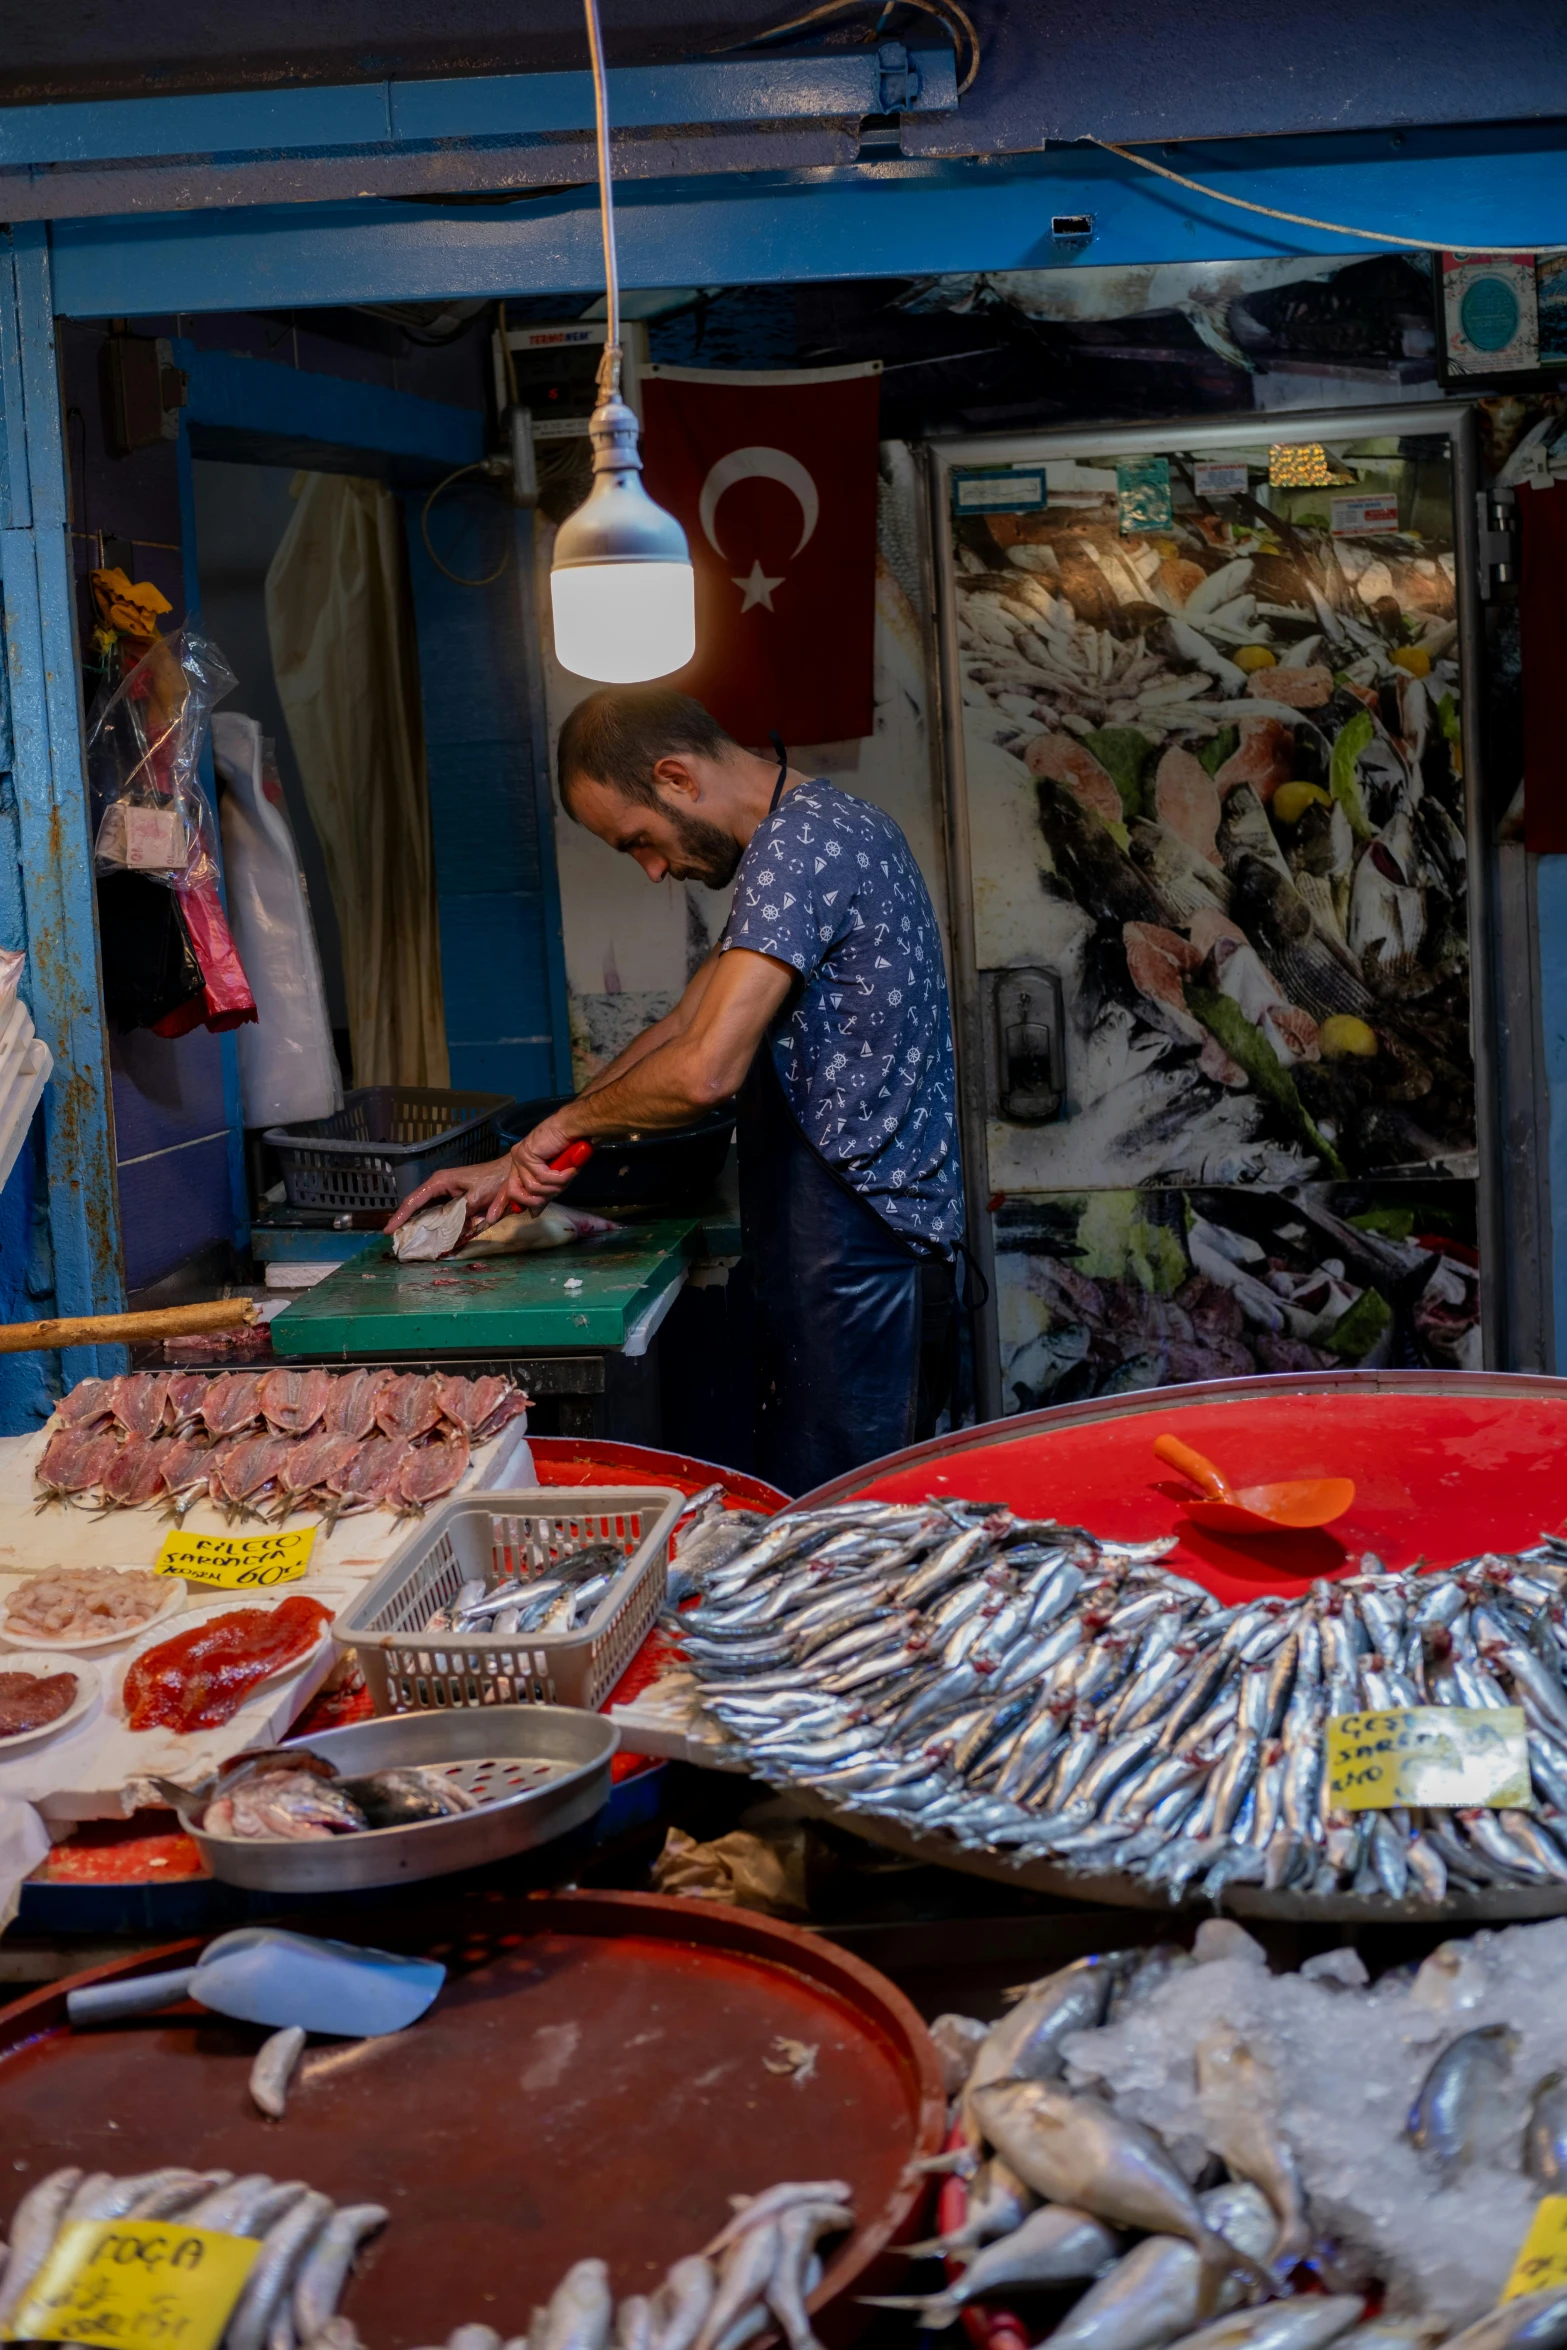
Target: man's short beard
[[706, 852]]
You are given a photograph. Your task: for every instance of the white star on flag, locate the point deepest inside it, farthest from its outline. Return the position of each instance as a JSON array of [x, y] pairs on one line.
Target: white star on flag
[[758, 588]]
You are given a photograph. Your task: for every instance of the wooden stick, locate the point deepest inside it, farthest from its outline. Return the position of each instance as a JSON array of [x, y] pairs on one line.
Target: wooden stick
[[218, 1313]]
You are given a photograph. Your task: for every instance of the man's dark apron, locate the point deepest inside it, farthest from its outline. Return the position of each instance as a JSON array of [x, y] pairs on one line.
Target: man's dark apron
[[838, 1300]]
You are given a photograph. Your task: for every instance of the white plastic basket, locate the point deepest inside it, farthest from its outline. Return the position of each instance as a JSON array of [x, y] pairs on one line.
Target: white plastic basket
[[481, 1537]]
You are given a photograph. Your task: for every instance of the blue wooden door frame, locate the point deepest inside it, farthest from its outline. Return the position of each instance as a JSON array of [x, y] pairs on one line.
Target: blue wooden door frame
[[62, 982]]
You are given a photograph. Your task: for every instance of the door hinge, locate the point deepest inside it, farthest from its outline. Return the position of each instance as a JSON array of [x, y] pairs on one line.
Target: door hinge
[[1496, 539]]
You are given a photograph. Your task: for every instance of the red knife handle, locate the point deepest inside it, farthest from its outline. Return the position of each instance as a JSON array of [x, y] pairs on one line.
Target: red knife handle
[[575, 1155]]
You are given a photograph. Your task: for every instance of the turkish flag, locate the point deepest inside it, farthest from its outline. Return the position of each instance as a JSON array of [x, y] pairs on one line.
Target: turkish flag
[[773, 478]]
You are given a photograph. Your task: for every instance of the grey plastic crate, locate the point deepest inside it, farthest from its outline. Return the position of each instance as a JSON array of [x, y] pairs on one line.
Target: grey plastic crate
[[384, 1141], [483, 1537]]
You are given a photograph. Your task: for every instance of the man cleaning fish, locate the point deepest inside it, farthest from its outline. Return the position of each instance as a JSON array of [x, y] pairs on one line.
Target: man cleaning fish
[[823, 1006]]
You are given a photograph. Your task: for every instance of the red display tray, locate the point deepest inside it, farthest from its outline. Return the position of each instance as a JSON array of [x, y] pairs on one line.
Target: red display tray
[[1445, 1465], [593, 2080]]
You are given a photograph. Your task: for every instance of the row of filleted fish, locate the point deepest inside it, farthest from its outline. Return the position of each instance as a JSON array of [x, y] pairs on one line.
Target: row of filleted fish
[[308, 2243], [1214, 2235], [1028, 1688], [266, 1444]]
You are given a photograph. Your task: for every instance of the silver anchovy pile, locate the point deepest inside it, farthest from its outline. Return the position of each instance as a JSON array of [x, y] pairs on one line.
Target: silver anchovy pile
[[1028, 1688], [308, 2244]]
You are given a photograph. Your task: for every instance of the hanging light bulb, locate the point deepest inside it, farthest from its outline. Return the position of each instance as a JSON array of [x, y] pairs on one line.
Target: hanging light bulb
[[621, 585]]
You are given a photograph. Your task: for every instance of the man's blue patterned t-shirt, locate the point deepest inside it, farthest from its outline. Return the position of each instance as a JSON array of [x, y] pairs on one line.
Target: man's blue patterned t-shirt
[[864, 1049]]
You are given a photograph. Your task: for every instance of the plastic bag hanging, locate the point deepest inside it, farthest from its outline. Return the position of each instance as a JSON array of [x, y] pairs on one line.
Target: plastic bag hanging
[[150, 815]]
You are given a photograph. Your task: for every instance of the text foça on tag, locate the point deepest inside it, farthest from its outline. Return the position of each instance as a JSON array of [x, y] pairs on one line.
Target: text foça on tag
[[136, 2284]]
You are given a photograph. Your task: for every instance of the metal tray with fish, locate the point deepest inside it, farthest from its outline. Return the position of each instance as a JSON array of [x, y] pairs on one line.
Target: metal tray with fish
[[600, 2073], [530, 1773]]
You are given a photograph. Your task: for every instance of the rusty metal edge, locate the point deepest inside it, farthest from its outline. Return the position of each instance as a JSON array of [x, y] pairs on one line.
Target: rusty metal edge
[[860, 2263]]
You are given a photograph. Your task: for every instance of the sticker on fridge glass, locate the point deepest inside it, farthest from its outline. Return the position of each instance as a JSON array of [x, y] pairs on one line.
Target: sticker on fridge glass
[[136, 2284], [1219, 481], [994, 492], [1550, 281], [1142, 494], [1365, 517], [1490, 313], [1442, 1755]]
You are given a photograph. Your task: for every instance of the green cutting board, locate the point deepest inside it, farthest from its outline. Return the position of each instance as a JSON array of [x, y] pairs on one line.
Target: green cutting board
[[374, 1305]]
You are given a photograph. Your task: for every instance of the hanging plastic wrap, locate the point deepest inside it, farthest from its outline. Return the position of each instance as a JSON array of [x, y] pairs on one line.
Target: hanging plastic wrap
[[287, 1066], [151, 818]]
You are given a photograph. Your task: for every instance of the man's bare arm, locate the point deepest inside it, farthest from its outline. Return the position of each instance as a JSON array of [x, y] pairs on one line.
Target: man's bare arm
[[675, 1082], [674, 1023]]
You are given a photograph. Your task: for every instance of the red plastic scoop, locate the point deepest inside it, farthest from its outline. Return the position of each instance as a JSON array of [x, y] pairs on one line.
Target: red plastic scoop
[[1256, 1509]]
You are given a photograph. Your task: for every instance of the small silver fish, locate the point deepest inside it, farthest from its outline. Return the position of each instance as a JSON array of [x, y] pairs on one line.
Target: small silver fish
[[1151, 2295], [1054, 2246], [1076, 2150], [1446, 2120], [1545, 2134]]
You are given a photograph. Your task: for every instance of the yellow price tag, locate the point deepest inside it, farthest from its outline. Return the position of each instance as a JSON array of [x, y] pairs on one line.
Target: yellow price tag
[[239, 1562], [1445, 1755], [1542, 2257], [136, 2284]]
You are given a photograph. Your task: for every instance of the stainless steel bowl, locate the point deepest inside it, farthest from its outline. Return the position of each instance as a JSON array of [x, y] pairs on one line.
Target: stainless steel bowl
[[538, 1771]]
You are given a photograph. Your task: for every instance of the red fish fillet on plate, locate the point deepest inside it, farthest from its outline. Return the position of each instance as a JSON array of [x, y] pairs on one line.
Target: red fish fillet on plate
[[200, 1678]]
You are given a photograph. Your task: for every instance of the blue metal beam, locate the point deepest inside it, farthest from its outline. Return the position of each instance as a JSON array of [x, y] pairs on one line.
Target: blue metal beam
[[255, 410], [893, 219], [56, 852], [231, 124]]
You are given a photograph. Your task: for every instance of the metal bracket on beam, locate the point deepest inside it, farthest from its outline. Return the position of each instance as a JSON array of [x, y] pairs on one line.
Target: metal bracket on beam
[[900, 79]]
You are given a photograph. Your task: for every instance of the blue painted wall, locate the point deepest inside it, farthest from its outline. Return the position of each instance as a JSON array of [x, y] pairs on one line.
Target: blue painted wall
[[502, 964], [170, 1096]]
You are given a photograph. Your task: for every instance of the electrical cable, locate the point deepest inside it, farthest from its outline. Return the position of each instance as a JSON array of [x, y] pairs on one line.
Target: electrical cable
[[1334, 228], [950, 13], [508, 359], [609, 364], [458, 578]]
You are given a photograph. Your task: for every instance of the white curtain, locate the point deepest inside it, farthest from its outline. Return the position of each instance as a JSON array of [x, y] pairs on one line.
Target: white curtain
[[341, 626]]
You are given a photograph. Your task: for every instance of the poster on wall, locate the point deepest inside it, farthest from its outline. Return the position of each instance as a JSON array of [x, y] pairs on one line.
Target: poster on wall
[[1098, 1293], [1490, 319], [1214, 785], [773, 477]]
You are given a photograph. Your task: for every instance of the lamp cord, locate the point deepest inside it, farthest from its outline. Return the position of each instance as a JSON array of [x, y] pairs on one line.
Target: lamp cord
[[609, 365], [458, 578]]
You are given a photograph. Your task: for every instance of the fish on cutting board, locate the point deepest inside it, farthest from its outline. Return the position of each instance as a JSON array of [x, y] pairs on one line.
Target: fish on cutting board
[[438, 1231], [551, 1227], [434, 1232]]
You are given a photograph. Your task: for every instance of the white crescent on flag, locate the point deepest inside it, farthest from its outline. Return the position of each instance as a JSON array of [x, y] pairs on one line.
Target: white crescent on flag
[[758, 464]]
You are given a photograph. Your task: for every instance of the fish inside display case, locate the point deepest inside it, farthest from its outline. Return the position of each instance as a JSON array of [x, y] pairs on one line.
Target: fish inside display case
[[1212, 776], [1102, 1292]]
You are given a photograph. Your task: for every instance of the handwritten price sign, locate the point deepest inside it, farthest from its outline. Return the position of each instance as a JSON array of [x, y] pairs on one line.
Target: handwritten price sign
[[136, 2284], [238, 1562], [1436, 1754], [1543, 2258]]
